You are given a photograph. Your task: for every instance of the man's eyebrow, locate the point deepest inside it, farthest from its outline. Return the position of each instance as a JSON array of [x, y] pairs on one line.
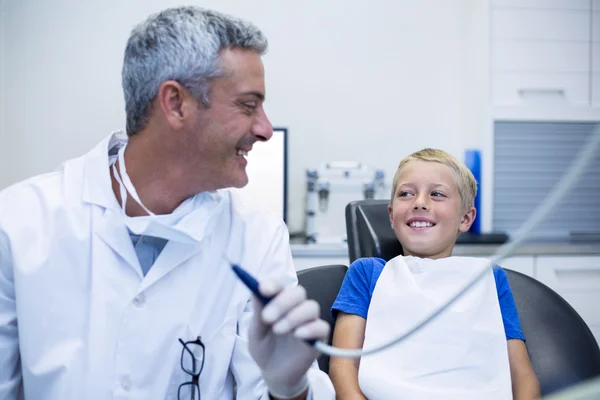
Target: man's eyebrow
[[260, 96]]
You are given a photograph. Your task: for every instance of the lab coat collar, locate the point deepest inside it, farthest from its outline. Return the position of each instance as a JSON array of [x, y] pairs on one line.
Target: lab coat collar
[[97, 185], [113, 232], [97, 189]]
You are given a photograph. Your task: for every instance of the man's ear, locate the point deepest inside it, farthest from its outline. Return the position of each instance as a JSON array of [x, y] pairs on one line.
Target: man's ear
[[175, 103], [467, 219]]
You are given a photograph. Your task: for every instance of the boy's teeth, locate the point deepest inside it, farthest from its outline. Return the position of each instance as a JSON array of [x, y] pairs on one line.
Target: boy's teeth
[[241, 152], [420, 224]]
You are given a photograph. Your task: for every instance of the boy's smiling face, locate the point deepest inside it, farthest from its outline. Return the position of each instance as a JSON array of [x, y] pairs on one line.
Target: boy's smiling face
[[426, 210]]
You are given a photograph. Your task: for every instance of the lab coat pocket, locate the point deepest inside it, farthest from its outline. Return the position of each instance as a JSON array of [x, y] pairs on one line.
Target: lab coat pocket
[[217, 349], [219, 345]]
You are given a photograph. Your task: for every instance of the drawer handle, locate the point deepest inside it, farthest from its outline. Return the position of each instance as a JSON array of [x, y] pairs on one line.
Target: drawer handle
[[589, 276], [541, 92]]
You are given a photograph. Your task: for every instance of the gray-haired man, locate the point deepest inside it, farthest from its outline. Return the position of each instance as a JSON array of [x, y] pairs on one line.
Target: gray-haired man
[[116, 282]]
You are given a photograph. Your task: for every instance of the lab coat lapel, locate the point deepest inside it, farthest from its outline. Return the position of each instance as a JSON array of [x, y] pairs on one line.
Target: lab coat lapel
[[113, 232], [208, 252], [97, 189], [173, 255]]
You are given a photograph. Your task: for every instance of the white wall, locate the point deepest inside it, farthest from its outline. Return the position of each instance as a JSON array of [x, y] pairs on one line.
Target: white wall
[[3, 168], [352, 80]]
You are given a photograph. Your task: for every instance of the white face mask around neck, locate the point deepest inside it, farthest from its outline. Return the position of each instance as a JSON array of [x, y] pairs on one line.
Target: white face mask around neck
[[187, 224]]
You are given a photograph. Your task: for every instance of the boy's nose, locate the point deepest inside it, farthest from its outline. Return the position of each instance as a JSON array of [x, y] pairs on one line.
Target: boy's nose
[[421, 203]]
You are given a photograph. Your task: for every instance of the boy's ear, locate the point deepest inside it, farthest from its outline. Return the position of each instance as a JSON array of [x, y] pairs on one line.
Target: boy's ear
[[391, 215], [467, 220]]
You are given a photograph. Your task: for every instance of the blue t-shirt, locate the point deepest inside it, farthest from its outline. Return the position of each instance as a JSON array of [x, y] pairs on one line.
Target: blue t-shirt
[[358, 286]]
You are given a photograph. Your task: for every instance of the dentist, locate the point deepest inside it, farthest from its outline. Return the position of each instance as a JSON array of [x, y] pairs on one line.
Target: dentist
[[115, 277]]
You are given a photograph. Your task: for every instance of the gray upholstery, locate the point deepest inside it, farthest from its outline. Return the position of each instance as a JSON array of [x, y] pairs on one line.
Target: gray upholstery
[[323, 284], [562, 349], [369, 230]]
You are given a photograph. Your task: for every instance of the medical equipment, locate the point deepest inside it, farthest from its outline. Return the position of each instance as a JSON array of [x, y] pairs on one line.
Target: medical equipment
[[329, 189], [252, 284]]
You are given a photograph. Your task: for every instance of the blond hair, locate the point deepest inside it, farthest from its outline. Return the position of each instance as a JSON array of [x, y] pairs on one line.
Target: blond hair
[[467, 185]]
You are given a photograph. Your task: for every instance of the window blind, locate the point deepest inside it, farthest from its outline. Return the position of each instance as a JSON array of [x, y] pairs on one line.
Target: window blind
[[530, 158]]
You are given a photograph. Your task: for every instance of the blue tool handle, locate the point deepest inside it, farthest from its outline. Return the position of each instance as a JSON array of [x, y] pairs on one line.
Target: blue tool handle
[[252, 284]]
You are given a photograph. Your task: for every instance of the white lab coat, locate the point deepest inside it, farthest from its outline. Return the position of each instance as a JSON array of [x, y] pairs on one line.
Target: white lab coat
[[91, 326]]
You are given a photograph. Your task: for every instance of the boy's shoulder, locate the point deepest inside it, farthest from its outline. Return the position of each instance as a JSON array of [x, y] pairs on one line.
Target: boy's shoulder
[[367, 264], [500, 276]]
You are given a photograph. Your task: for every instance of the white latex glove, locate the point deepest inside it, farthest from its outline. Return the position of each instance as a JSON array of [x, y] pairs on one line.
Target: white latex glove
[[276, 337]]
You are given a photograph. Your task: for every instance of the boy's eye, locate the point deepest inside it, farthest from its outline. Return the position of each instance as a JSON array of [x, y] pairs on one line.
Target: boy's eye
[[404, 194], [437, 194]]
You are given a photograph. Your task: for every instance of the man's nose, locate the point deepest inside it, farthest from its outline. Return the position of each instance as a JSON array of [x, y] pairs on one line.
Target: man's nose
[[262, 127]]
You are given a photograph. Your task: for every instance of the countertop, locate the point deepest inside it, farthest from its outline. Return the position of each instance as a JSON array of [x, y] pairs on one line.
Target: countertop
[[557, 248]]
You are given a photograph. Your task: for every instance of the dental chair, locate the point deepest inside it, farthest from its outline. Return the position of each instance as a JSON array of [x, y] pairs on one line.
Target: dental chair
[[323, 284], [561, 347]]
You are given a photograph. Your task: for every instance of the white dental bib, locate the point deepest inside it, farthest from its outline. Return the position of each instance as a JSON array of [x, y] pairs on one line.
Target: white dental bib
[[462, 354]]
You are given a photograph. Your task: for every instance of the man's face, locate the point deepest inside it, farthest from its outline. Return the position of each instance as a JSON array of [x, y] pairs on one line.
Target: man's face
[[426, 210], [225, 132]]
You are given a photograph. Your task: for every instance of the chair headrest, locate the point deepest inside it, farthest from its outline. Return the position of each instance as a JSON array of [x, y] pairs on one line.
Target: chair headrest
[[370, 233]]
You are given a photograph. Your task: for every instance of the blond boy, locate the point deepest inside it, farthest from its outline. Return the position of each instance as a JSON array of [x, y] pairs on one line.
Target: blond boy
[[432, 203]]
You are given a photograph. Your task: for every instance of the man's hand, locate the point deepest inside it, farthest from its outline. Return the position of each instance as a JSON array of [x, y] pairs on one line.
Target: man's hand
[[277, 334]]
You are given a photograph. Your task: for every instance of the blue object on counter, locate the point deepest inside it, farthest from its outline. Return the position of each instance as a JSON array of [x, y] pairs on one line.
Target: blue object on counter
[[473, 162]]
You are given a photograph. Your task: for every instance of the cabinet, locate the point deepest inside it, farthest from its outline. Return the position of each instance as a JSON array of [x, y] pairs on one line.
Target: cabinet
[[522, 264], [596, 54], [545, 57], [550, 4], [577, 280]]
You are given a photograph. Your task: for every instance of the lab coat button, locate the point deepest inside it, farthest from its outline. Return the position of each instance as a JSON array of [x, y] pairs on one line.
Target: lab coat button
[[126, 383], [140, 300]]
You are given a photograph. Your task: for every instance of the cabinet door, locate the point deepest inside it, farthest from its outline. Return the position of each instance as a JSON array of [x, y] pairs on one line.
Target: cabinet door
[[522, 264], [545, 4], [596, 56], [540, 53], [540, 24], [542, 88], [533, 56], [577, 280]]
